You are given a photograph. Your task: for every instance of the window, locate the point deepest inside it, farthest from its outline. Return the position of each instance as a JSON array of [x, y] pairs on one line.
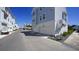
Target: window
[[4, 24], [40, 8], [60, 21], [5, 14], [40, 18], [33, 13], [43, 16], [10, 28], [63, 25], [33, 20], [8, 19], [64, 16], [12, 23]]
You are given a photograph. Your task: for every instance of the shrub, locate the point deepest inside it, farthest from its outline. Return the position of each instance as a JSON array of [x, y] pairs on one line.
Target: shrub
[[70, 31]]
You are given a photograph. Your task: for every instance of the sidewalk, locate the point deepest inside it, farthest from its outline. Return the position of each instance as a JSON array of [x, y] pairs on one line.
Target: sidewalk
[[73, 40]]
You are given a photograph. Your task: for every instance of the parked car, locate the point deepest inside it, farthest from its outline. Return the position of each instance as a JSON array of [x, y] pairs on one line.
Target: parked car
[[4, 30], [23, 28]]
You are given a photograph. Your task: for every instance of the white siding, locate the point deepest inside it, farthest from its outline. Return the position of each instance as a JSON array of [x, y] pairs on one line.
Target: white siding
[[59, 20], [44, 25], [10, 20], [53, 20]]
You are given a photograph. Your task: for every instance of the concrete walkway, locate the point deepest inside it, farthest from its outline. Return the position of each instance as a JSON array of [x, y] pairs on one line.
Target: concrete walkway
[[42, 44], [73, 40]]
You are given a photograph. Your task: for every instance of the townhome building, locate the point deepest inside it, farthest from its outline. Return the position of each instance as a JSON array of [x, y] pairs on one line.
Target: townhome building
[[49, 20], [7, 21]]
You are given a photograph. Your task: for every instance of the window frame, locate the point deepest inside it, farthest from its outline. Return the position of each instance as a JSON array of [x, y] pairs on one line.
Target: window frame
[[64, 16]]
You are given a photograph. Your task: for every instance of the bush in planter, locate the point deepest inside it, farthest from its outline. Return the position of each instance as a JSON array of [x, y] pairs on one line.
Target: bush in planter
[[70, 31]]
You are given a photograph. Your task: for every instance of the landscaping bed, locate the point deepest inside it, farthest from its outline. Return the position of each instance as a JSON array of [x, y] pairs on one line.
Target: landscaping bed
[[64, 36]]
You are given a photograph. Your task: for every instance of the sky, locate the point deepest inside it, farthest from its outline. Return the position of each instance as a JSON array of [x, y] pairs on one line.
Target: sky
[[23, 15], [73, 15]]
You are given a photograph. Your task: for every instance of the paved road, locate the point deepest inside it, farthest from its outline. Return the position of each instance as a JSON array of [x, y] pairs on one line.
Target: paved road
[[23, 42]]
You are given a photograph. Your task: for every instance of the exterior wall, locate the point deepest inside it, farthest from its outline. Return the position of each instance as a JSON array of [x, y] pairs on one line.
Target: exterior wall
[[45, 28], [9, 21], [60, 23], [13, 24], [16, 27], [53, 24], [44, 25], [2, 19]]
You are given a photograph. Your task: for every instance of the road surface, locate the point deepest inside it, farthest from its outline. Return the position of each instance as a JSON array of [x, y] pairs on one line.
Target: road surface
[[25, 41]]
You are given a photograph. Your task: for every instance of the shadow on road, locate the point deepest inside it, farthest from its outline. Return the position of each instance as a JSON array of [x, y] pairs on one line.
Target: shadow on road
[[31, 33]]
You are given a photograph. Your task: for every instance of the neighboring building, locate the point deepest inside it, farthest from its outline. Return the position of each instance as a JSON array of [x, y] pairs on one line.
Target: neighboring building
[[49, 20], [7, 21], [27, 27], [16, 27]]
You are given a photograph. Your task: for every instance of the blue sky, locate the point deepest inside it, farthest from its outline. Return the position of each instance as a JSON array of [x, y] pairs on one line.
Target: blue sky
[[73, 15], [23, 15]]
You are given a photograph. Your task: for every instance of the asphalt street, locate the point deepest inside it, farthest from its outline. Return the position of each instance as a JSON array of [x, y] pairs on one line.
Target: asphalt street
[[27, 41]]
